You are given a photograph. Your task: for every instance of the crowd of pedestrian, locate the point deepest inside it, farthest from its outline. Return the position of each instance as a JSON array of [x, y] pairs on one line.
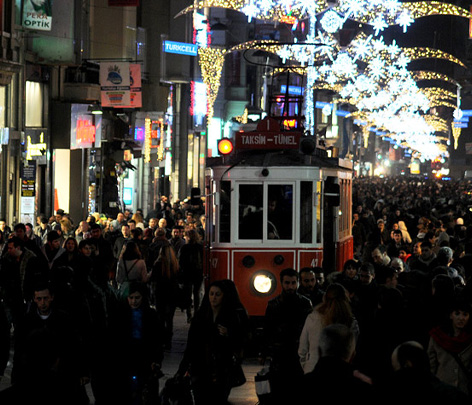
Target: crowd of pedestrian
[[398, 313], [407, 292], [93, 301]]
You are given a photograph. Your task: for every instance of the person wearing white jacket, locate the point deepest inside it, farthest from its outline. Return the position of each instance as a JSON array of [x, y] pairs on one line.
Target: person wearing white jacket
[[335, 308]]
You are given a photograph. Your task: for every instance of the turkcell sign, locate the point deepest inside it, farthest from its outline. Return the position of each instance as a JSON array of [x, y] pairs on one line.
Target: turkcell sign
[[180, 48]]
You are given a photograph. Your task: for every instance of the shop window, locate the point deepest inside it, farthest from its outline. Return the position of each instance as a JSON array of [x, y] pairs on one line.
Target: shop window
[[34, 104]]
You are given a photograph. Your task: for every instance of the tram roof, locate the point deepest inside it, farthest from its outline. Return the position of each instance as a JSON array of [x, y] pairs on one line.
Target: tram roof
[[279, 158]]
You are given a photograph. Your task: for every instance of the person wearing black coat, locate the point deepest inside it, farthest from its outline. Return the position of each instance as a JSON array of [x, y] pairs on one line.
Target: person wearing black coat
[[215, 341], [139, 347]]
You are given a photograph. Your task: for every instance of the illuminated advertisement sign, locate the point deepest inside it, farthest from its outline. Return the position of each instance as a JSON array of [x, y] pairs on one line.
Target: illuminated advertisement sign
[[85, 127], [198, 102], [180, 48], [37, 15], [201, 30]]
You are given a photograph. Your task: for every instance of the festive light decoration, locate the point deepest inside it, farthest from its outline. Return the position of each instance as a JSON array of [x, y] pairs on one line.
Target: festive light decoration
[[211, 62], [456, 133], [368, 73]]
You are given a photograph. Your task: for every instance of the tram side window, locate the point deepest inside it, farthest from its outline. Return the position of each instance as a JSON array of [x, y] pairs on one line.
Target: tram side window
[[279, 211], [225, 212], [250, 211], [306, 212]]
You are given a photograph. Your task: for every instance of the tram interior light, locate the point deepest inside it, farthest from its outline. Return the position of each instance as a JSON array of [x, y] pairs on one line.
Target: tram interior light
[[225, 146], [262, 283]]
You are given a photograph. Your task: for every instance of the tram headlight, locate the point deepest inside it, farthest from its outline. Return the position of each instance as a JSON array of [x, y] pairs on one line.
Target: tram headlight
[[264, 282]]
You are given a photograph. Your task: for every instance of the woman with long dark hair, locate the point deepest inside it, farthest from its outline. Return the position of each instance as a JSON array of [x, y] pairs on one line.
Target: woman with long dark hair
[[214, 342]]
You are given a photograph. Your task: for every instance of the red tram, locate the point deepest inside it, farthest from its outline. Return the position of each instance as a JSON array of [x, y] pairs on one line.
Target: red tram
[[274, 203]]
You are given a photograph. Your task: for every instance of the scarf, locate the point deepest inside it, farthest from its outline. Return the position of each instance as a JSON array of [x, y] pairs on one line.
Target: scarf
[[453, 344]]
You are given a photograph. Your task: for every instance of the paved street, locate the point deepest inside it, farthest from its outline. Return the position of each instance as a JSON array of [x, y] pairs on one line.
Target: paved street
[[244, 395]]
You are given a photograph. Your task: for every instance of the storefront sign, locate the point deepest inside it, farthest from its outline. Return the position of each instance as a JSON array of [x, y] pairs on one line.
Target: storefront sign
[[37, 15], [135, 96], [180, 48], [35, 149], [28, 179], [115, 84]]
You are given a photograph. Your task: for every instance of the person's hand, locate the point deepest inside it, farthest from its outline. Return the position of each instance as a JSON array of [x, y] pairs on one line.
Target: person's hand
[[222, 330]]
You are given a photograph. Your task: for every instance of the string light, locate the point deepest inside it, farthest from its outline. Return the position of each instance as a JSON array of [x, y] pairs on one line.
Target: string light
[[384, 91]]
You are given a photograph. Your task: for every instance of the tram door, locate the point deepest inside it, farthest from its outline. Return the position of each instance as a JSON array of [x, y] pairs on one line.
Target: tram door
[[331, 203]]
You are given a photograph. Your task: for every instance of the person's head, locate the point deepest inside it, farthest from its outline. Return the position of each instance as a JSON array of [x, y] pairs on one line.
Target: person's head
[[153, 223], [403, 254], [136, 233], [397, 236], [445, 256], [379, 255], [355, 216], [192, 236], [216, 296], [71, 245], [387, 277], [86, 247], [3, 224], [138, 217], [148, 234], [29, 229], [460, 315], [410, 355], [125, 230], [137, 296], [15, 247], [289, 280], [319, 275], [336, 305], [66, 225], [160, 234], [131, 251], [350, 268], [337, 340], [176, 232], [395, 226], [366, 273], [397, 264], [132, 224], [426, 250], [417, 249], [307, 278], [120, 217], [162, 223], [54, 240], [20, 230], [43, 298], [381, 224], [95, 231]]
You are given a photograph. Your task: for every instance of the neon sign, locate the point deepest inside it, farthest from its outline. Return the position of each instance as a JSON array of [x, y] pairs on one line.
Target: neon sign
[[85, 132]]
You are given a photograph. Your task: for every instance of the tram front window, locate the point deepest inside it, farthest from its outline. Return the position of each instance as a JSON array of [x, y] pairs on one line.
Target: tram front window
[[250, 211], [279, 211]]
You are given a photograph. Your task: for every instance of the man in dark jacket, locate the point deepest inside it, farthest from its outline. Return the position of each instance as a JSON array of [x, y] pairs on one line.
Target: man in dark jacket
[[48, 359], [284, 320]]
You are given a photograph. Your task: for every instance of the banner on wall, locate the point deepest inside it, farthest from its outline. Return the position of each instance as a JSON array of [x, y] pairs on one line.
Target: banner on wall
[[136, 99], [37, 15], [115, 84], [123, 3]]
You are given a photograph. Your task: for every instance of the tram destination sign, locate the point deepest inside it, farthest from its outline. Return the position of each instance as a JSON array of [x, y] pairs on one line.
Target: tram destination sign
[[268, 140]]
